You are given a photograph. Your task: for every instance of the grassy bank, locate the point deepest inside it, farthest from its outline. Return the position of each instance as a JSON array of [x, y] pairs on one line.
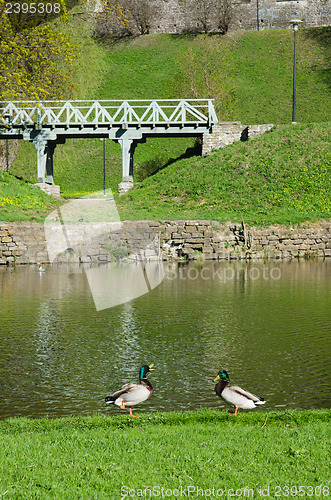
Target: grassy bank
[[103, 457], [20, 201], [283, 176]]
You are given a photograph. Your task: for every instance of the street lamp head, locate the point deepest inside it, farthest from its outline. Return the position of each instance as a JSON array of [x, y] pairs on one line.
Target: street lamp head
[[295, 23]]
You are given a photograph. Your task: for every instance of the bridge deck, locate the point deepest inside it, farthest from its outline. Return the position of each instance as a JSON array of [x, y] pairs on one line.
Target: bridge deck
[[134, 113]]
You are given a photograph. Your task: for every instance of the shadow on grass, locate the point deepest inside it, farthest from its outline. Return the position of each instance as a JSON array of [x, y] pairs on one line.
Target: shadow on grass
[[323, 37], [154, 165]]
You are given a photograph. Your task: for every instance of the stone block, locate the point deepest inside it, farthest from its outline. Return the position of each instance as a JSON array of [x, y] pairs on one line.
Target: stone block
[[209, 256], [297, 241], [302, 247], [6, 239], [207, 249], [17, 253], [196, 246], [191, 241], [188, 250]]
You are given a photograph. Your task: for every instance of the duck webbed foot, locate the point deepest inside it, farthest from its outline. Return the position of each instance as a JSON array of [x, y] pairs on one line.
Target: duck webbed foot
[[235, 412], [131, 414]]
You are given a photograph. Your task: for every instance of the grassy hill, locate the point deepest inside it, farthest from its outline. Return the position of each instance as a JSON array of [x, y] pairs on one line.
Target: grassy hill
[[20, 200], [151, 66], [283, 176]]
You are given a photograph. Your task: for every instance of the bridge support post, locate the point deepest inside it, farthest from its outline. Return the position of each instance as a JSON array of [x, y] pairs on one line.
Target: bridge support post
[[40, 145], [45, 152], [50, 147], [128, 146]]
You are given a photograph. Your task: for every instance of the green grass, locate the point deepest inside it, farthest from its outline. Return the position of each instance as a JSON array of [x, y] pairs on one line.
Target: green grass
[[21, 201], [281, 177], [144, 67], [103, 457], [149, 67], [264, 76]]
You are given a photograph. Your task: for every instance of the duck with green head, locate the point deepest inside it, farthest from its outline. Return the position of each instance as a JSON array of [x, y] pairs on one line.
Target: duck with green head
[[133, 394], [235, 395]]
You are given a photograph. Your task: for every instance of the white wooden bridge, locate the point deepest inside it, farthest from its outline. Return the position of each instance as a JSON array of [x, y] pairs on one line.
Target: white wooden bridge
[[48, 123]]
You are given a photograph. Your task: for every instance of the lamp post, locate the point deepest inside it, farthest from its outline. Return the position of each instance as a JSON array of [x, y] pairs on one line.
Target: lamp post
[[295, 23]]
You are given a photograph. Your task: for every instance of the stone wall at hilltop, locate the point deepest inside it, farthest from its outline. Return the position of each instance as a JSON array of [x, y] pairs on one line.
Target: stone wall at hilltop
[[25, 243], [180, 16]]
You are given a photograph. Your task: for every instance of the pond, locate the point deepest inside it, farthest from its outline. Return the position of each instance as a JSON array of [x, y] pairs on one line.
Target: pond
[[266, 323]]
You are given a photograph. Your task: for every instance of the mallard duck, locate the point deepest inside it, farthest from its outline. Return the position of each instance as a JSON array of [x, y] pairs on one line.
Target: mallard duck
[[235, 395], [133, 394]]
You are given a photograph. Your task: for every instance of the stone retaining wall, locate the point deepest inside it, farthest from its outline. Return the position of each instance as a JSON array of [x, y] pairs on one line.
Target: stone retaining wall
[[226, 133], [212, 240], [25, 243], [22, 243]]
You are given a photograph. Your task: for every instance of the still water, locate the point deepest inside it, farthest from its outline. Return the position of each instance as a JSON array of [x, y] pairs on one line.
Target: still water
[[267, 324]]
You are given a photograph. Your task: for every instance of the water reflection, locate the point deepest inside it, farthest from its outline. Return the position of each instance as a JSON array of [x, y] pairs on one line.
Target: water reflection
[[268, 324]]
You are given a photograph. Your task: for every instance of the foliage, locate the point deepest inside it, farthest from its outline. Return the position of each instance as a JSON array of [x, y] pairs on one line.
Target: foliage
[[98, 456], [80, 31], [30, 48], [112, 18], [141, 13]]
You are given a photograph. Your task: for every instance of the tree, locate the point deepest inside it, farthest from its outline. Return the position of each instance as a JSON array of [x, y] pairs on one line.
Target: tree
[[224, 15], [112, 18], [205, 14], [213, 15], [142, 13], [34, 54]]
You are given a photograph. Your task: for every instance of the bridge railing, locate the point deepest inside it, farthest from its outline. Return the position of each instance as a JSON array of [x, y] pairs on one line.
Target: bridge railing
[[115, 112]]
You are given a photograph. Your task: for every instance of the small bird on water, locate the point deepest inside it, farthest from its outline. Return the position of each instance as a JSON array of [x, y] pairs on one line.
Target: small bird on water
[[133, 394], [235, 395]]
